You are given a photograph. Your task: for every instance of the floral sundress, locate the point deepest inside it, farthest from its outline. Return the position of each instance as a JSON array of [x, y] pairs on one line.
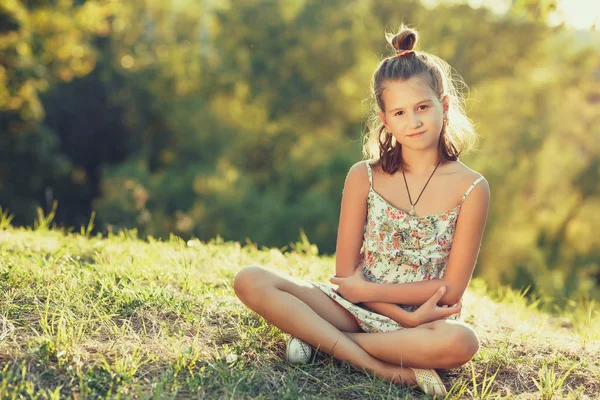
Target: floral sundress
[[399, 248]]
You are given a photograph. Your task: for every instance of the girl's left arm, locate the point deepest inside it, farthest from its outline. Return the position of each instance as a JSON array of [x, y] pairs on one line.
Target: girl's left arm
[[463, 256]]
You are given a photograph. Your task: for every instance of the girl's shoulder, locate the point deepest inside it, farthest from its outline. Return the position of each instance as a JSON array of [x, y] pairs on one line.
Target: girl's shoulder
[[373, 166], [360, 170], [459, 171], [358, 180], [468, 180]]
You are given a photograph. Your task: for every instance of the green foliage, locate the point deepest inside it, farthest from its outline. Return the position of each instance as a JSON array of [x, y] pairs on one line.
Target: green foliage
[[549, 383], [5, 219], [42, 44], [241, 120], [44, 221], [483, 390]]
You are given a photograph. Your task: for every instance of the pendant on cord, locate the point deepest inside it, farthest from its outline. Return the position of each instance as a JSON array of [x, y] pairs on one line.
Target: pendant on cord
[[412, 205]]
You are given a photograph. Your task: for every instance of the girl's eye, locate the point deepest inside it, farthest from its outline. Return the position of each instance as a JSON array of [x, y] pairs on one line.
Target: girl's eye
[[422, 107]]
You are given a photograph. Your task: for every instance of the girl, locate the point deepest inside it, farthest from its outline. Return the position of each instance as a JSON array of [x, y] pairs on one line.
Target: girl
[[411, 222]]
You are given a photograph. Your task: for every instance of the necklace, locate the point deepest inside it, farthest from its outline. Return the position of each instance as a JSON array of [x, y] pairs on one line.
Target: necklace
[[412, 205]]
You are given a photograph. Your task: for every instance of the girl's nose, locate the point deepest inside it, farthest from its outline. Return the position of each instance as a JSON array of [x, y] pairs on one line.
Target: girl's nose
[[415, 121]]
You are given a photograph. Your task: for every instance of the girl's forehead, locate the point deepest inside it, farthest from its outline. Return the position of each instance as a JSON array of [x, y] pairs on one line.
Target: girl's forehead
[[406, 93]]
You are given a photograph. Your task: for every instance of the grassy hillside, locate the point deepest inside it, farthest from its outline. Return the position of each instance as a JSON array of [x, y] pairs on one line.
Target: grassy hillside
[[119, 317]]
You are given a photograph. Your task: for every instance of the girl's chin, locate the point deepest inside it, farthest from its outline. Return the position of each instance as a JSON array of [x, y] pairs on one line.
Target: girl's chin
[[420, 146]]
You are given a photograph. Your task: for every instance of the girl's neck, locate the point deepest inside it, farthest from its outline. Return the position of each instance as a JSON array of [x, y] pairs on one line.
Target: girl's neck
[[420, 162]]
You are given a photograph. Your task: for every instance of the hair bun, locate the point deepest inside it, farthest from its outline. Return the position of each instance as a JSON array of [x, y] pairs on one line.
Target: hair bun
[[405, 39]]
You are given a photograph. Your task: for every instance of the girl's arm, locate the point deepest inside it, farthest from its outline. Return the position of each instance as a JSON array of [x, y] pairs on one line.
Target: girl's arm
[[395, 312], [465, 248], [428, 312], [353, 215]]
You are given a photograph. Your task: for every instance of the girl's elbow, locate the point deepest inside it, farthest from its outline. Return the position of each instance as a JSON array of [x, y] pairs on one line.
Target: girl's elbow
[[454, 291], [452, 297]]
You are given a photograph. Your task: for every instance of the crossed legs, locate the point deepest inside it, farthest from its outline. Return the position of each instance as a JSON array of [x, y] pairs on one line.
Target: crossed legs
[[304, 311]]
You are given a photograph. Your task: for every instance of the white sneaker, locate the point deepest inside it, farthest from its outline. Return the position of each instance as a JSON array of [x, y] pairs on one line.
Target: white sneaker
[[298, 352], [430, 382]]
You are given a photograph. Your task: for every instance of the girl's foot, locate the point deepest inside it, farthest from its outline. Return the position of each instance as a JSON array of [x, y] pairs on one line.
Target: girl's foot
[[429, 382], [426, 380], [399, 375]]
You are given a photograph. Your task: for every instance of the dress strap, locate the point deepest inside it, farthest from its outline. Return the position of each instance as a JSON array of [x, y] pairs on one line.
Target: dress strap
[[368, 162], [481, 178]]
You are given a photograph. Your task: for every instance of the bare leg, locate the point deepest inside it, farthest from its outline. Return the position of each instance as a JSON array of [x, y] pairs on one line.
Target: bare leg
[[441, 344], [300, 309]]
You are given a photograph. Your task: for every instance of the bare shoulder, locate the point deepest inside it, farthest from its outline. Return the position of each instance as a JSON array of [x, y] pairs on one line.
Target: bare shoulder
[[357, 180], [464, 177], [359, 168], [376, 167], [479, 195]]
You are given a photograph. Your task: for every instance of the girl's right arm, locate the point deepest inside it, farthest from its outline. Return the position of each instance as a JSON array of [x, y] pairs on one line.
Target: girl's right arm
[[353, 215], [427, 312], [395, 312]]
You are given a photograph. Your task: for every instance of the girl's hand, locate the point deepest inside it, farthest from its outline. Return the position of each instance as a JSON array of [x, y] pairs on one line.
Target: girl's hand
[[430, 311], [353, 287]]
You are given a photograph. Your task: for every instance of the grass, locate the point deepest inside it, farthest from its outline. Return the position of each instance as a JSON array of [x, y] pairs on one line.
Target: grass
[[118, 317]]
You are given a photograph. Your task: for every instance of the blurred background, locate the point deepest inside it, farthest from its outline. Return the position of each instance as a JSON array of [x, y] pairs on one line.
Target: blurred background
[[240, 119]]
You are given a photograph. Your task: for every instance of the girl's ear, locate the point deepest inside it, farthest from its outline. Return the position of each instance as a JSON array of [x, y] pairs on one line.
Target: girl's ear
[[382, 117], [446, 102]]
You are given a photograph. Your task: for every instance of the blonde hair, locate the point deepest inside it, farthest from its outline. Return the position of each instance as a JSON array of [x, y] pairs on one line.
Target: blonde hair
[[457, 135]]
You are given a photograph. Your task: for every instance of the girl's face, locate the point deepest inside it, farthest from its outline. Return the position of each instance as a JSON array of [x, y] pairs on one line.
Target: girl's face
[[413, 112]]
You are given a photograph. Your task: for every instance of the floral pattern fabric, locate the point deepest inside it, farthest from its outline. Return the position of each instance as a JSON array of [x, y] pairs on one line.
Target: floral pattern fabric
[[399, 248]]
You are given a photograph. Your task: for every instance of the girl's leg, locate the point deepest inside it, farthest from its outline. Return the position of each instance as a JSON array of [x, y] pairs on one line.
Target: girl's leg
[[440, 344], [300, 309]]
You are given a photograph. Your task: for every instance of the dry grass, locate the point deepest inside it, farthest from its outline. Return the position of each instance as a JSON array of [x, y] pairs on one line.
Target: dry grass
[[119, 317]]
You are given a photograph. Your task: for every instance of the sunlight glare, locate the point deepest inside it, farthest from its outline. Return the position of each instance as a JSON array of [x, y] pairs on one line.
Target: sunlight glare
[[578, 14]]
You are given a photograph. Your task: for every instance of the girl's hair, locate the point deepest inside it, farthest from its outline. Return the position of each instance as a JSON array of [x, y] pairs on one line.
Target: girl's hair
[[457, 133]]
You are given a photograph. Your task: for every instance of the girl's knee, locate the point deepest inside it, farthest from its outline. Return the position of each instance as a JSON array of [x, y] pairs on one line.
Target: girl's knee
[[247, 280], [464, 344]]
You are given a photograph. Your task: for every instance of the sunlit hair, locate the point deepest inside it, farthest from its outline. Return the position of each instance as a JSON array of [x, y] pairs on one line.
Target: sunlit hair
[[457, 135]]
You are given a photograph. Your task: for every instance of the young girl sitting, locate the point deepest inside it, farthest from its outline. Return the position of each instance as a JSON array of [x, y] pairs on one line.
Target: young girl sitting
[[411, 222]]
